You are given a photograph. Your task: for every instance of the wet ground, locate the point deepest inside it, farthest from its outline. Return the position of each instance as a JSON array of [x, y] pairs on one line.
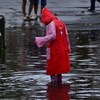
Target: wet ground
[[22, 73], [23, 64]]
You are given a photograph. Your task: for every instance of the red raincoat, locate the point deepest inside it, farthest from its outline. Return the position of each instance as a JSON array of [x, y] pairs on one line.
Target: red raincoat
[[57, 41]]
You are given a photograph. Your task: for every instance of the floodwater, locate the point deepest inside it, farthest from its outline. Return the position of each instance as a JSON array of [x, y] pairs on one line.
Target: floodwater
[[23, 64]]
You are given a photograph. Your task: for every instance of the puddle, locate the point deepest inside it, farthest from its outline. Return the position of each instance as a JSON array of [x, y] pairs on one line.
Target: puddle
[[22, 73]]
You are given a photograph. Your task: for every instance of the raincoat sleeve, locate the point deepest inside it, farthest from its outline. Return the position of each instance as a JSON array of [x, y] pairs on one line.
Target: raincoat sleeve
[[50, 35], [69, 49]]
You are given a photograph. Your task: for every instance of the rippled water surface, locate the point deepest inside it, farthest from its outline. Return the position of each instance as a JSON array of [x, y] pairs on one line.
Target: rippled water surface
[[23, 64]]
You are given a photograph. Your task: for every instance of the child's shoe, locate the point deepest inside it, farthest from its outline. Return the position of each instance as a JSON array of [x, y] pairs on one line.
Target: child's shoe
[[59, 78]]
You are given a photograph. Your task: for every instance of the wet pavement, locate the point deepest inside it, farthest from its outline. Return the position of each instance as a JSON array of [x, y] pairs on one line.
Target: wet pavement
[[23, 64]]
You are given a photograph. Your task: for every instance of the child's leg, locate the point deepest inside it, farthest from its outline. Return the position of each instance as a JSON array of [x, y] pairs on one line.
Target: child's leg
[[53, 78], [59, 78]]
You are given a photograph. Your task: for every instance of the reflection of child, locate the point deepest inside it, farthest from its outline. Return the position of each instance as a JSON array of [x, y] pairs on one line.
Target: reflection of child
[[58, 92], [58, 46]]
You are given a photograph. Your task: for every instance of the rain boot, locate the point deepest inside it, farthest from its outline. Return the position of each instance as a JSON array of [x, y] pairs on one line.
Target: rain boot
[[59, 78], [53, 78]]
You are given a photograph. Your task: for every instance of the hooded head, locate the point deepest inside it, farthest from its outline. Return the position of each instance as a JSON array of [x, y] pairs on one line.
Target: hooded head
[[47, 16]]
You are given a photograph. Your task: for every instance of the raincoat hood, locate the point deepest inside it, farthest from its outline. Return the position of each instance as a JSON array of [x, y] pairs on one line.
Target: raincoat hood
[[47, 16]]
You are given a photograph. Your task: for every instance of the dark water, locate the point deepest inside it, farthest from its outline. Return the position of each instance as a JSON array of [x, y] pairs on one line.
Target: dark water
[[22, 68]]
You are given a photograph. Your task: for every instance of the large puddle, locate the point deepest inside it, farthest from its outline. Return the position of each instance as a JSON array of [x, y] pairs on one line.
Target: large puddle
[[23, 64]]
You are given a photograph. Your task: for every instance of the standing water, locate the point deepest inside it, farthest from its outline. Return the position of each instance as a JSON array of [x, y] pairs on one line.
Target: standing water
[[23, 64]]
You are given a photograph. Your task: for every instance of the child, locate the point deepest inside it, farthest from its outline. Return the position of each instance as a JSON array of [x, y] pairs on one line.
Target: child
[[58, 46]]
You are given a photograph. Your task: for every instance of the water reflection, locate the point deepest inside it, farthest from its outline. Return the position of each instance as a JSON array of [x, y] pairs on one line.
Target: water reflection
[[93, 35], [84, 48], [85, 64], [2, 56], [58, 92]]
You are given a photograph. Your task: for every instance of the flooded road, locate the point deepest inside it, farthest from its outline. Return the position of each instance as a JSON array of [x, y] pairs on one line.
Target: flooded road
[[23, 64]]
